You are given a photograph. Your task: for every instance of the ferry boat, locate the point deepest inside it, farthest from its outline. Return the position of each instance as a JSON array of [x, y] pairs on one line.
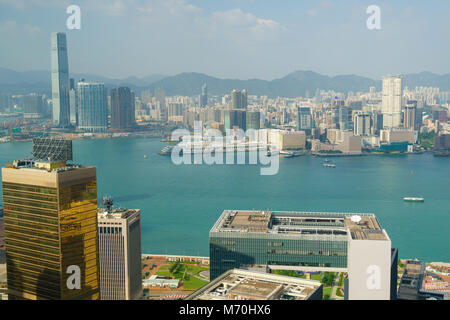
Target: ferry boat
[[329, 165], [413, 199], [291, 154], [166, 151]]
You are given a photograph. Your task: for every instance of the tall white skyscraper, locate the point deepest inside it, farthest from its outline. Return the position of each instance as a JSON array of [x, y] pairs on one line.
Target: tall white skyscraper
[[60, 80], [120, 254], [391, 105]]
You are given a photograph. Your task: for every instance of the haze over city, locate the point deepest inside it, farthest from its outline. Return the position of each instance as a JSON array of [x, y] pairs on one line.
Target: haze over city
[[229, 39]]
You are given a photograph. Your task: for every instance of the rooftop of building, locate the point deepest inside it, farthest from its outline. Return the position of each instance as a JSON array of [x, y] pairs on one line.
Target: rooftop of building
[[360, 226], [49, 166], [116, 213], [248, 285]]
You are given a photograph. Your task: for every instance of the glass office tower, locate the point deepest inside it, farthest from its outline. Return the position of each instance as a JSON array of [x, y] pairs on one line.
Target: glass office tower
[[50, 213], [92, 107], [122, 108], [60, 79]]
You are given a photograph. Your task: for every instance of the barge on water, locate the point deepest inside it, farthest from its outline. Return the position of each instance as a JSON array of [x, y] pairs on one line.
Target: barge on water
[[413, 199]]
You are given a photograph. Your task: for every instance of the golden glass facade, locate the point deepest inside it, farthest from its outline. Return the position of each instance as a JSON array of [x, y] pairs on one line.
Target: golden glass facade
[[49, 228]]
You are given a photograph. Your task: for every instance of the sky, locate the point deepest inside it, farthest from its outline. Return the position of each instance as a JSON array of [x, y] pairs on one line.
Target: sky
[[243, 39]]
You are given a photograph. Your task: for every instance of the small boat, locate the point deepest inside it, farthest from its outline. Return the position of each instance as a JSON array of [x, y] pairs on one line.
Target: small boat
[[326, 160], [329, 165], [413, 199], [166, 151], [145, 156]]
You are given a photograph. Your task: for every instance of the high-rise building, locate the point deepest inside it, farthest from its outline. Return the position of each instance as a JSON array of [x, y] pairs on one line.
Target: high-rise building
[[410, 117], [244, 99], [160, 95], [362, 125], [92, 107], [391, 104], [302, 241], [50, 210], [122, 109], [33, 106], [377, 122], [175, 109], [344, 118], [5, 101], [60, 80], [253, 120], [235, 119], [239, 99], [73, 103], [304, 122], [120, 253], [204, 96]]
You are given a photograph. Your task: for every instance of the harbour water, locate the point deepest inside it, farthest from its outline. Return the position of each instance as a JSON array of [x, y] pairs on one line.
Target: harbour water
[[181, 203]]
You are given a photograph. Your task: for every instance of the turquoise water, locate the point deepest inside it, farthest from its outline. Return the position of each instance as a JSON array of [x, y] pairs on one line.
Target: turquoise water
[[181, 203]]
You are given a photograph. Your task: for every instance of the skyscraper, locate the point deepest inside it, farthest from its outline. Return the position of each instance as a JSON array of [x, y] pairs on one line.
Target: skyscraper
[[391, 104], [239, 99], [73, 104], [253, 120], [60, 79], [160, 95], [120, 253], [344, 118], [410, 117], [50, 210], [204, 96], [92, 107], [304, 122], [244, 99], [361, 124], [235, 119], [122, 108], [33, 106]]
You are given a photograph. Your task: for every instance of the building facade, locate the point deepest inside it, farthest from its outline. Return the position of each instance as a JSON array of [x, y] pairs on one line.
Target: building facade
[[122, 109], [92, 107], [239, 99], [391, 104], [50, 212], [204, 96], [60, 79], [362, 124], [120, 254], [253, 120], [304, 119], [352, 243], [235, 119]]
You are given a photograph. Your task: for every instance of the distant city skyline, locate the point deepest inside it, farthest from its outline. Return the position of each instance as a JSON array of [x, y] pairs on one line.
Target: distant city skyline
[[228, 39]]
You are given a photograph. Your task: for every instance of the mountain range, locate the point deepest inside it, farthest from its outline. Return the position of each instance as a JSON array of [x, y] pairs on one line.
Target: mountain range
[[297, 83]]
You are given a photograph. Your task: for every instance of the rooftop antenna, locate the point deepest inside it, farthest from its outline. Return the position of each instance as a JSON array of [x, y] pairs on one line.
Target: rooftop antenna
[[108, 203]]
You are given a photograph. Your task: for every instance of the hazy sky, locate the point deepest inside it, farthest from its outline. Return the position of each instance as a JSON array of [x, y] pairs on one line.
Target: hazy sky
[[229, 38]]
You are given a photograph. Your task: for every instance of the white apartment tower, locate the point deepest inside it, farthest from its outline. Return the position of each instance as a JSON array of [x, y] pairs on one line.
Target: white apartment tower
[[392, 102], [120, 253]]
